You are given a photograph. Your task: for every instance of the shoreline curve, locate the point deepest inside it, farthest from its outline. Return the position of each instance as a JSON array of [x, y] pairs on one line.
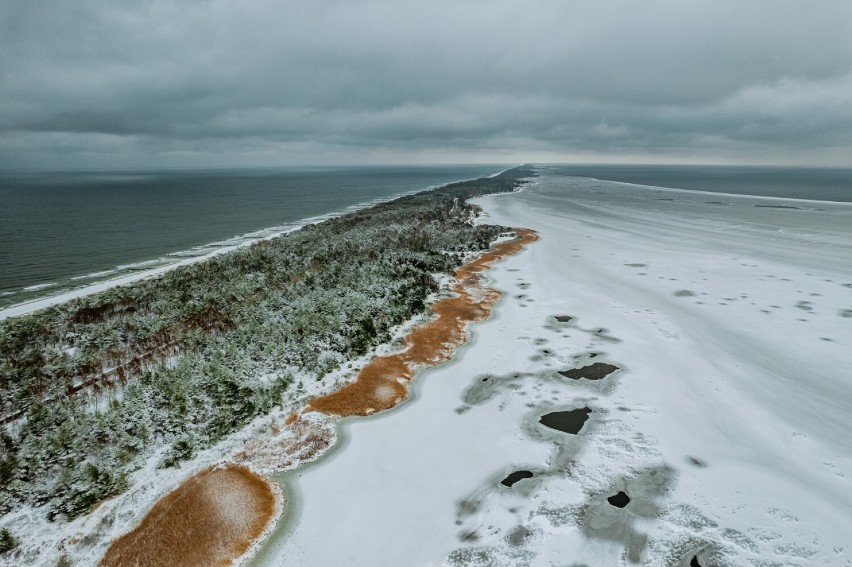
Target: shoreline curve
[[217, 516], [383, 382]]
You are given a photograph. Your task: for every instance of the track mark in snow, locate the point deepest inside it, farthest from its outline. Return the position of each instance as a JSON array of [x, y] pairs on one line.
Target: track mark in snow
[[695, 462]]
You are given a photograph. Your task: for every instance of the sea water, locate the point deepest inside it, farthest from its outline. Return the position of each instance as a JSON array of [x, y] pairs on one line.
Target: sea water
[[66, 229]]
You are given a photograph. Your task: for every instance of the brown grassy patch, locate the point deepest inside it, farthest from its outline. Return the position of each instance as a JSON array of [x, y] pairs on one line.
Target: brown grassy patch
[[210, 519], [289, 447], [383, 383]]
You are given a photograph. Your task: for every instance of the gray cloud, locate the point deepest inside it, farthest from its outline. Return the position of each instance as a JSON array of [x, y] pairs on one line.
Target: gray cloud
[[130, 84]]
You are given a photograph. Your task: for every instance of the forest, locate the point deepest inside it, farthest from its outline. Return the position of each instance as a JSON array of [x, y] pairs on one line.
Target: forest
[[90, 388]]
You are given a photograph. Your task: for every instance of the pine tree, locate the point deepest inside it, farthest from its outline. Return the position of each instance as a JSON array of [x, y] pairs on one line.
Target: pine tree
[[8, 542]]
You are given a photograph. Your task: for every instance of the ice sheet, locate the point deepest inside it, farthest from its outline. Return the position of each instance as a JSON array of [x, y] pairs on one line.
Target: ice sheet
[[727, 423]]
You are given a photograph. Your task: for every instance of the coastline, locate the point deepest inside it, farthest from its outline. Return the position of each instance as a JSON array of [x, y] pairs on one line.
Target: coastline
[[81, 538], [381, 385], [213, 249]]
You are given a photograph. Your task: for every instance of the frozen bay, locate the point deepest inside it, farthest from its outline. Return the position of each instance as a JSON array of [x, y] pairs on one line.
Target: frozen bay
[[726, 424]]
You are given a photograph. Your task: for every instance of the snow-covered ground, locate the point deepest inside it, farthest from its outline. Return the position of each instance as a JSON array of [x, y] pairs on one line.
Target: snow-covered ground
[[84, 540], [727, 423]]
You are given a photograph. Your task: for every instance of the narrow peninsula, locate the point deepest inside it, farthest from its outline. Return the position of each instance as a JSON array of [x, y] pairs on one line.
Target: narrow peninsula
[[116, 399]]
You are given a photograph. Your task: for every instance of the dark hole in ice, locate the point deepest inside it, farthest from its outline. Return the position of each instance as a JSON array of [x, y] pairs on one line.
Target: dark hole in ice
[[694, 562], [594, 371], [777, 207], [619, 500], [563, 318], [566, 421], [515, 477]]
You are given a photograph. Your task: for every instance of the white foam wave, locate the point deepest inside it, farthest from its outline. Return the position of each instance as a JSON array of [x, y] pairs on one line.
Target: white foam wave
[[95, 275], [39, 287], [144, 265]]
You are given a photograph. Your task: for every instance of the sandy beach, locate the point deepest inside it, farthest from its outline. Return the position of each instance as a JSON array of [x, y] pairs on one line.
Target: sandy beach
[[696, 344]]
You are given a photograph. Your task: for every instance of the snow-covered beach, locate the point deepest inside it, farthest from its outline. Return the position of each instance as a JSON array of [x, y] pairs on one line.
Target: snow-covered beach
[[729, 320]]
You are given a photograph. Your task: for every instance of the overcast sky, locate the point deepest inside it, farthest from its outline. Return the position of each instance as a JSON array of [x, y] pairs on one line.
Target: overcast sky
[[193, 83]]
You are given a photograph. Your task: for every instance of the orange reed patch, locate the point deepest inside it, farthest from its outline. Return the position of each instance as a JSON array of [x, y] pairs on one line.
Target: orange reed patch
[[383, 383], [211, 519]]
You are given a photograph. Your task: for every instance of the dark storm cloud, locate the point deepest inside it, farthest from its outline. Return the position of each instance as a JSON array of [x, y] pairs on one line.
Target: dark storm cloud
[[112, 84]]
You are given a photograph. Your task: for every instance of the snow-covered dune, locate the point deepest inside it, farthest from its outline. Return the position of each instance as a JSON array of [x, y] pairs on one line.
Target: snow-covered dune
[[721, 436]]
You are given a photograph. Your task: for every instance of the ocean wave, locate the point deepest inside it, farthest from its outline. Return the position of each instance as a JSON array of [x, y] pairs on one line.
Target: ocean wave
[[39, 287], [95, 275], [143, 265]]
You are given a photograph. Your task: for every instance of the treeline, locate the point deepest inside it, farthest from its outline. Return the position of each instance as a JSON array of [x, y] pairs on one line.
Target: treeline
[[88, 388]]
